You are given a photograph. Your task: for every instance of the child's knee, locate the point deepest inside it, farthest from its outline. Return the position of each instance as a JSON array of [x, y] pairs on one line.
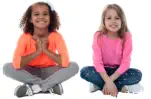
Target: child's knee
[[86, 72], [74, 67], [139, 74], [7, 68]]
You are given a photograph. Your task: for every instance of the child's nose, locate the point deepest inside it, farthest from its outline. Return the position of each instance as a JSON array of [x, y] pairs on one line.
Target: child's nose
[[113, 21], [41, 16]]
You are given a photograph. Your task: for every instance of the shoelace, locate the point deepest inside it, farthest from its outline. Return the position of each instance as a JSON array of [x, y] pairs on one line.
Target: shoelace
[[51, 91], [29, 91]]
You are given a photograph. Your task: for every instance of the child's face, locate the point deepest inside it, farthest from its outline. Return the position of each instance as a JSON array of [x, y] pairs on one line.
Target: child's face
[[40, 16], [112, 21]]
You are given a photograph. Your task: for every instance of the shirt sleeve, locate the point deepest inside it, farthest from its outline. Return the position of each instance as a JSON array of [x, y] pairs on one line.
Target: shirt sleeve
[[125, 62], [62, 50], [97, 54], [19, 51]]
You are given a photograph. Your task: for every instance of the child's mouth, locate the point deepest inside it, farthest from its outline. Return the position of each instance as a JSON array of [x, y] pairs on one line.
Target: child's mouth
[[41, 22], [113, 26]]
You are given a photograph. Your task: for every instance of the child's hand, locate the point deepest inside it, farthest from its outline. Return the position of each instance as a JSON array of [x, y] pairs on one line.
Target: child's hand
[[110, 89], [44, 43], [38, 44]]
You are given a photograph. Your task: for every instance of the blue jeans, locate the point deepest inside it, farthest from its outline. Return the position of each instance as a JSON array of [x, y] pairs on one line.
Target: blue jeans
[[130, 77]]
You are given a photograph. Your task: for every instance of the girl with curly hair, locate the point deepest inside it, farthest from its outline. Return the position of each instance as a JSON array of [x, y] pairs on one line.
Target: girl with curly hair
[[41, 59]]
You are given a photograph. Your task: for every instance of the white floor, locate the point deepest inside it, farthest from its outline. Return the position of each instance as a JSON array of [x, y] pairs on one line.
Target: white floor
[[73, 88]]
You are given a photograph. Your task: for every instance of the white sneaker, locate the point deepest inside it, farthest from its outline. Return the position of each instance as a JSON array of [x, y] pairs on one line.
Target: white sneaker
[[93, 88], [135, 89]]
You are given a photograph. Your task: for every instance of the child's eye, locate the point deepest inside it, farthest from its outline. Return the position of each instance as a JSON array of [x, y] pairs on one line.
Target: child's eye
[[45, 14], [36, 14], [108, 18], [117, 18]]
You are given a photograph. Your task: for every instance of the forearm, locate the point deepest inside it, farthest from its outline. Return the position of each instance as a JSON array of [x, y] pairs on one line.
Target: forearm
[[126, 58], [105, 77], [53, 56], [115, 76], [26, 59]]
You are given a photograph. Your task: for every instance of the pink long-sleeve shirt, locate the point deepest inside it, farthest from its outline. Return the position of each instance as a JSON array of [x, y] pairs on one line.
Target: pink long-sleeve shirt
[[109, 52]]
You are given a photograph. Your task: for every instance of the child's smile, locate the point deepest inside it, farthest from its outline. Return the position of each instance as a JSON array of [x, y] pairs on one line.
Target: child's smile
[[112, 21], [41, 23], [40, 16]]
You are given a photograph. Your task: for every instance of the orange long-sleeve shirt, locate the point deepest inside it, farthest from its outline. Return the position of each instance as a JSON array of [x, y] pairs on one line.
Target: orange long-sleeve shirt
[[26, 46]]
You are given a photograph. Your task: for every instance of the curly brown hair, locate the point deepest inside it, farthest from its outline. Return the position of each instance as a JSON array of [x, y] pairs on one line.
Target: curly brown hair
[[28, 27]]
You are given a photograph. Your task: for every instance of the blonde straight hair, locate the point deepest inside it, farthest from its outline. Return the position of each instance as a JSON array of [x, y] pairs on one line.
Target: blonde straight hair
[[124, 28], [122, 31]]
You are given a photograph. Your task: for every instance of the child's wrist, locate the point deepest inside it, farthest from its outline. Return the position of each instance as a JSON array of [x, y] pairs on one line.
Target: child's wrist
[[45, 50], [108, 80], [112, 78], [38, 52]]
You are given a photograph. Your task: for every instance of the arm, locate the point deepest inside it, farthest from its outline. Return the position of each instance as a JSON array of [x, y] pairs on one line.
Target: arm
[[62, 58], [125, 62], [26, 59], [114, 76], [97, 58], [19, 60], [62, 50], [105, 77], [19, 51], [55, 57], [109, 87]]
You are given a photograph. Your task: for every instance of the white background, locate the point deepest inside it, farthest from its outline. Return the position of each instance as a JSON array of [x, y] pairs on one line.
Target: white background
[[79, 20]]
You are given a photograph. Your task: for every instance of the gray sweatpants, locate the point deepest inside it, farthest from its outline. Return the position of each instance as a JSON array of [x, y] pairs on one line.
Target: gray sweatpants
[[45, 77]]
